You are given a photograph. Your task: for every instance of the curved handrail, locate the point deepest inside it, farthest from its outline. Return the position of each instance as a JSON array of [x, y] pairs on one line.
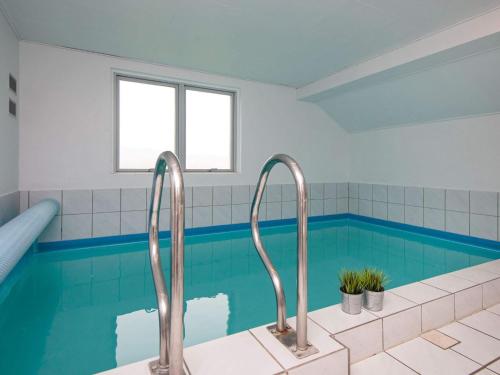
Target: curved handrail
[[170, 318], [301, 189]]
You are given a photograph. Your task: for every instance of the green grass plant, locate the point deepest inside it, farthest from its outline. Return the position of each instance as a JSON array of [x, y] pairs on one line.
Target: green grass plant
[[374, 280], [351, 282]]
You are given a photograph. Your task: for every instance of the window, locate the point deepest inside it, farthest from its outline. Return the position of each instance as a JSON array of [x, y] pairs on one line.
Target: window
[[196, 123]]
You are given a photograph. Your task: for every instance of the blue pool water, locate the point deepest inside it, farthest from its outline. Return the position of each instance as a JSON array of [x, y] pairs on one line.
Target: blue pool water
[[81, 311]]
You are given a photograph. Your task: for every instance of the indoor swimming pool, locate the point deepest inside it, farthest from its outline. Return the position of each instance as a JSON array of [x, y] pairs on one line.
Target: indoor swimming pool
[[84, 310]]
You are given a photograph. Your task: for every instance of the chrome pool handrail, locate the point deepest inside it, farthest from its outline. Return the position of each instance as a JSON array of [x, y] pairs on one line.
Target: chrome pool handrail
[[300, 346], [170, 315]]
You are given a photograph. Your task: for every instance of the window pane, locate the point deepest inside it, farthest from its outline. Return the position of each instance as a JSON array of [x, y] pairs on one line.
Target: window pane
[[147, 123], [208, 130]]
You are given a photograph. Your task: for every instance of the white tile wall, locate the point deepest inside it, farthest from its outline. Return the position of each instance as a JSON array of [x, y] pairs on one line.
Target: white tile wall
[[457, 200], [457, 211]]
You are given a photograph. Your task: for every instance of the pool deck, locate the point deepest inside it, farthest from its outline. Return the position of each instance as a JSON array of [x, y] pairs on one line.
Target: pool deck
[[464, 305]]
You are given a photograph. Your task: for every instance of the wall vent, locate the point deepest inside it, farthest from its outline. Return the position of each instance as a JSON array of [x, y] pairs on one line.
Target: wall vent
[[12, 84], [12, 107]]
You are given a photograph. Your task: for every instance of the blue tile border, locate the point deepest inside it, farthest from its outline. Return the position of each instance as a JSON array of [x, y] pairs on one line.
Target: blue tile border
[[139, 237], [475, 241], [115, 240]]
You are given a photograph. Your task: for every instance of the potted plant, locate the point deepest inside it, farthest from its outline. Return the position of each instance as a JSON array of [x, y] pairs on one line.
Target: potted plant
[[374, 282], [351, 289]]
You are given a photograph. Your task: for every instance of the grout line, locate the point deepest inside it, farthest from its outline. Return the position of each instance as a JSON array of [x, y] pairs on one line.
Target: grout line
[[476, 329], [403, 363], [268, 351]]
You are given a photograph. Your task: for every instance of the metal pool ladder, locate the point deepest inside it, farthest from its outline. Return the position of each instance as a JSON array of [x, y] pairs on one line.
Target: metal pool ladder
[[170, 314], [295, 341]]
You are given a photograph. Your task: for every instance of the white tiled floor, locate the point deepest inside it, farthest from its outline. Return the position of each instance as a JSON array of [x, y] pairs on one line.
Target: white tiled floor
[[240, 353], [478, 347], [484, 321], [381, 363], [427, 358]]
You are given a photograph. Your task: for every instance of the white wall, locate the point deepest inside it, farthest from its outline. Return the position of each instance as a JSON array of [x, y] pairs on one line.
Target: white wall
[[9, 63], [66, 126], [461, 153]]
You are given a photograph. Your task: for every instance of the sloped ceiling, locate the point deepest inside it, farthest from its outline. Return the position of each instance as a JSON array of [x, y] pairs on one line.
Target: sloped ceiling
[[468, 86], [289, 42]]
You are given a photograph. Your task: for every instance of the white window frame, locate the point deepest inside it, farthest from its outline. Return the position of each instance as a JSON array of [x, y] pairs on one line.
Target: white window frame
[[180, 122]]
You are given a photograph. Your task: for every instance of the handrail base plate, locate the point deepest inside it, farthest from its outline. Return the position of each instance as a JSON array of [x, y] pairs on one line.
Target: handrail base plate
[[289, 340], [154, 368]]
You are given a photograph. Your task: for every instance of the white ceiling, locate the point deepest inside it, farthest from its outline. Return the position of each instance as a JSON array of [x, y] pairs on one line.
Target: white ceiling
[[290, 42]]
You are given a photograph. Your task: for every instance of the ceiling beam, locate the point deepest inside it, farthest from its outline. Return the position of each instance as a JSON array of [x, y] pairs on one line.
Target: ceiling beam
[[458, 35]]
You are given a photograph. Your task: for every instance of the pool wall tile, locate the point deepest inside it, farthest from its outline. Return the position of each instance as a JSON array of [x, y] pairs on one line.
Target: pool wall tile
[[273, 211], [221, 215], [240, 194], [317, 191], [396, 213], [132, 222], [380, 210], [202, 216], [106, 224], [330, 191], [273, 193], [77, 202], [221, 195], [414, 196], [106, 200], [342, 205], [396, 194], [353, 205], [365, 191], [76, 226], [484, 226], [365, 207], [457, 222], [330, 207], [380, 193], [414, 216], [457, 200], [353, 190], [133, 199], [434, 198], [202, 196], [434, 218], [469, 213], [484, 203], [342, 190], [288, 193]]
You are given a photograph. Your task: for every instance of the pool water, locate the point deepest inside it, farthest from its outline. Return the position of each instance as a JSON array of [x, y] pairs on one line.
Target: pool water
[[81, 311]]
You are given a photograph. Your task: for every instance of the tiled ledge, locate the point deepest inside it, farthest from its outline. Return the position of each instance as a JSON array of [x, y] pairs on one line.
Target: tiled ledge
[[344, 339]]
